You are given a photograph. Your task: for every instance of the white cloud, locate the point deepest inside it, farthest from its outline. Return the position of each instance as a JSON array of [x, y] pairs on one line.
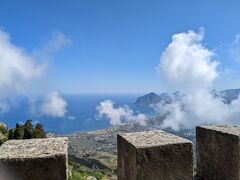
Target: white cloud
[[17, 68], [21, 73], [235, 48], [57, 42], [119, 115], [186, 63], [189, 66], [54, 105]]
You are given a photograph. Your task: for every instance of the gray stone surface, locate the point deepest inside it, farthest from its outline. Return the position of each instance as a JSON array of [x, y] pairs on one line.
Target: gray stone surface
[[218, 152], [34, 159], [154, 155]]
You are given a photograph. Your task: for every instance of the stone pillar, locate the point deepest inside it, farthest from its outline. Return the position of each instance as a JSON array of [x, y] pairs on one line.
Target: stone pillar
[[154, 155], [218, 152], [34, 159]]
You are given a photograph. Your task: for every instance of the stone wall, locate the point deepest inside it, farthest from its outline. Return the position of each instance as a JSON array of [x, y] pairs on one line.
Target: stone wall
[[148, 155], [153, 155], [218, 152], [34, 159]]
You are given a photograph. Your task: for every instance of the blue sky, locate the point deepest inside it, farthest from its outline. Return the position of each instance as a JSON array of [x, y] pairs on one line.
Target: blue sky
[[116, 45]]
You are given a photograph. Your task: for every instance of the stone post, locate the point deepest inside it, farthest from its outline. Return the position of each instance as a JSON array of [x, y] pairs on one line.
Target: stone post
[[218, 155], [34, 159], [154, 155]]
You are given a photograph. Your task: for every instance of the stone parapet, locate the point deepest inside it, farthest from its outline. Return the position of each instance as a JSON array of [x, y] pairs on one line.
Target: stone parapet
[[154, 155], [34, 159], [218, 155]]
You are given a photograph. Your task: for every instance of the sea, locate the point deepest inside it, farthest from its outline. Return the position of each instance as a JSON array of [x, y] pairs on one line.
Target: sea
[[81, 116]]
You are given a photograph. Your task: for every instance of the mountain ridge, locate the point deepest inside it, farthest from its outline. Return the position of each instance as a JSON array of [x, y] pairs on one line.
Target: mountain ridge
[[227, 96]]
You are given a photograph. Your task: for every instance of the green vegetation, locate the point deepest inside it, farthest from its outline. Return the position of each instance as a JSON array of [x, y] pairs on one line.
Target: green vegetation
[[81, 172], [96, 151], [3, 133], [88, 166], [25, 131], [93, 154]]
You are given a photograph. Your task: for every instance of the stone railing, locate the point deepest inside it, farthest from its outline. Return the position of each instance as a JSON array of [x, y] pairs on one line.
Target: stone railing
[[34, 159], [218, 155], [148, 155], [157, 155]]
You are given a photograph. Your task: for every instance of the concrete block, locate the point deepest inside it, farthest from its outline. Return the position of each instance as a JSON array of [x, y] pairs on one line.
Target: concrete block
[[218, 155], [34, 159], [154, 155]]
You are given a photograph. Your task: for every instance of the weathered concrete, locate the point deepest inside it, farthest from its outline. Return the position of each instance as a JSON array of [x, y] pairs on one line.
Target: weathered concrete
[[154, 155], [34, 159], [218, 152]]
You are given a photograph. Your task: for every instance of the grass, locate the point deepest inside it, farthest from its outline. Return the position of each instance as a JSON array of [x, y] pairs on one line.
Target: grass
[[80, 172]]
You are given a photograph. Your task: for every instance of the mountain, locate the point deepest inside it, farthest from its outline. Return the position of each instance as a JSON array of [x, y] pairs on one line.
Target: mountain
[[227, 97], [166, 98], [148, 99], [153, 98], [229, 94]]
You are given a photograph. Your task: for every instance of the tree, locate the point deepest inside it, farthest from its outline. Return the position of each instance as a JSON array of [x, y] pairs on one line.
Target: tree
[[3, 133], [11, 134], [38, 131], [2, 138], [28, 130], [18, 132]]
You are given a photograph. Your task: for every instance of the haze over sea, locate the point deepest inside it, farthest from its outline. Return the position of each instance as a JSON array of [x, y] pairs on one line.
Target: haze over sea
[[81, 115]]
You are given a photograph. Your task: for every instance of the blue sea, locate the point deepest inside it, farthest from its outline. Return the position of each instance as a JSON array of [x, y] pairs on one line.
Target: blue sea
[[81, 107]]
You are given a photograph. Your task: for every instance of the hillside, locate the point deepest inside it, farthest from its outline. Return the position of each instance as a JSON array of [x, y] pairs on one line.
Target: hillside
[[95, 152], [146, 100], [227, 97]]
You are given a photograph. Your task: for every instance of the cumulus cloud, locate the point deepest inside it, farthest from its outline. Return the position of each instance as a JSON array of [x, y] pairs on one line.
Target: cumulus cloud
[[54, 105], [186, 63], [17, 68], [189, 66], [22, 72], [119, 115], [235, 48]]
